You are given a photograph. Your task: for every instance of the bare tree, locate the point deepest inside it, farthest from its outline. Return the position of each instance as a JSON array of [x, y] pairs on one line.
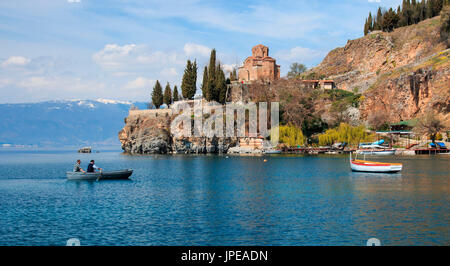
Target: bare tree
[[377, 121], [430, 125]]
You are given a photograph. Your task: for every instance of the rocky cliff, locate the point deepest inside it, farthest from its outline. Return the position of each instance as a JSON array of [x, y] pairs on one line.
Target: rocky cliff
[[401, 74], [148, 132]]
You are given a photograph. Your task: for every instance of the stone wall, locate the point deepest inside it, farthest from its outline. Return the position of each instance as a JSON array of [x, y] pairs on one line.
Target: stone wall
[[151, 112]]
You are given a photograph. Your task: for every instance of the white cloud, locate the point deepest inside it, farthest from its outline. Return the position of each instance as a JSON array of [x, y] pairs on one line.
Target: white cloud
[[113, 55], [374, 1], [132, 58], [74, 1], [16, 61], [229, 67], [36, 82], [169, 73], [140, 83], [192, 50]]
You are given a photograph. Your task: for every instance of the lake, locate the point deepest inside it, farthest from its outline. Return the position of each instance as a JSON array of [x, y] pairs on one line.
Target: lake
[[214, 200]]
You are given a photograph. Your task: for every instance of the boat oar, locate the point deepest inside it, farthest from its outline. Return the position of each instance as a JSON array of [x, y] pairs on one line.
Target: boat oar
[[98, 178]]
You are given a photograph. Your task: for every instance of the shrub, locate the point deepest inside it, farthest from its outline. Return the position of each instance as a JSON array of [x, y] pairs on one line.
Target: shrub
[[345, 133], [291, 135]]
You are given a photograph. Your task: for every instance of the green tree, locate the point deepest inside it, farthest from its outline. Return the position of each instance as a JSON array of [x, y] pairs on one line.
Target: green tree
[[390, 20], [379, 19], [415, 15], [345, 133], [212, 76], [233, 75], [185, 82], [205, 85], [157, 95], [407, 13], [366, 27], [175, 94], [291, 135], [445, 23], [167, 95], [189, 81], [220, 85], [296, 70], [429, 11], [437, 6], [193, 87], [370, 21]]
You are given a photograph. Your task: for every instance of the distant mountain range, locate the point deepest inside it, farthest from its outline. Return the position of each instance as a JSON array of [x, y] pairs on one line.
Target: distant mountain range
[[66, 122]]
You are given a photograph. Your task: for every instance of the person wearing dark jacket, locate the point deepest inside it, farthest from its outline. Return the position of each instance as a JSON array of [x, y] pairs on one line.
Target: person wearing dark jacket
[[92, 167]]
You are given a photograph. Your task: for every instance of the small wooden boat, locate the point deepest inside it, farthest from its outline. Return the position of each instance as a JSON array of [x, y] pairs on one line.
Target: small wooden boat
[[272, 151], [376, 151], [109, 175], [374, 167]]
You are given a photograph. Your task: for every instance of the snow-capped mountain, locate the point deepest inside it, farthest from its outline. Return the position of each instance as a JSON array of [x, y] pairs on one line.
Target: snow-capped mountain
[[64, 122]]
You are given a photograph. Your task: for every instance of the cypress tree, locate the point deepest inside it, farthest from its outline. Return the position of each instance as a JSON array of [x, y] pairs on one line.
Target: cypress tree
[[220, 85], [366, 27], [379, 19], [235, 76], [167, 95], [390, 20], [370, 21], [429, 11], [212, 75], [405, 13], [408, 13], [415, 12], [193, 80], [205, 86], [175, 94], [437, 7], [157, 95], [185, 82]]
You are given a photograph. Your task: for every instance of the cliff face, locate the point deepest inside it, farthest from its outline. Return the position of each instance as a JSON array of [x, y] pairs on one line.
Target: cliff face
[[400, 73], [144, 134], [148, 132], [411, 91]]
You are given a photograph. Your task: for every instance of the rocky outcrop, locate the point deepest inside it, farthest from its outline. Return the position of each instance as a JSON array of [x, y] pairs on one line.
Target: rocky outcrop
[[401, 74], [148, 132], [360, 63], [411, 91], [145, 134], [202, 145]]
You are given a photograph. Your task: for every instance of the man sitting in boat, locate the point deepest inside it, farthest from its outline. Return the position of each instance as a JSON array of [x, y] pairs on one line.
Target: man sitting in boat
[[92, 167], [77, 167]]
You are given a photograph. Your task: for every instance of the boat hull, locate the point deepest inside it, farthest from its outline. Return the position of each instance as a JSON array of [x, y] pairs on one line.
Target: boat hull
[[272, 152], [374, 167], [376, 152], [110, 175]]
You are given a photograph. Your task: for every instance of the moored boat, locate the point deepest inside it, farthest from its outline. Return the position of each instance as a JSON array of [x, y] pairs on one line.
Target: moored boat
[[109, 175], [272, 151], [376, 151], [374, 167]]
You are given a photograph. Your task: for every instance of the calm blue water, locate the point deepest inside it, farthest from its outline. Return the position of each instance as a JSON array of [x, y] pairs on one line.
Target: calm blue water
[[214, 200]]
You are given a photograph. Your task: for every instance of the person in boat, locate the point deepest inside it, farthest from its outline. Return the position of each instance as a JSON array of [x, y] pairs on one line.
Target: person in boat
[[77, 167], [92, 167]]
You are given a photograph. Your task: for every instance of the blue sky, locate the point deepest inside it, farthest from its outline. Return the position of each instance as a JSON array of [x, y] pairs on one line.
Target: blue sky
[[116, 49]]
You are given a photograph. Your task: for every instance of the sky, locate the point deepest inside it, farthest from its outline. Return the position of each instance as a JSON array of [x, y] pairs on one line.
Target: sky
[[117, 49]]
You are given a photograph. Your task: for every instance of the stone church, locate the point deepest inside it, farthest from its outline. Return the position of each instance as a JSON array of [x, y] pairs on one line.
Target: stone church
[[260, 66]]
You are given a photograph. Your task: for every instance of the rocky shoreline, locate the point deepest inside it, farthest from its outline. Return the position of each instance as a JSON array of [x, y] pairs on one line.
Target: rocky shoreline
[[149, 133]]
